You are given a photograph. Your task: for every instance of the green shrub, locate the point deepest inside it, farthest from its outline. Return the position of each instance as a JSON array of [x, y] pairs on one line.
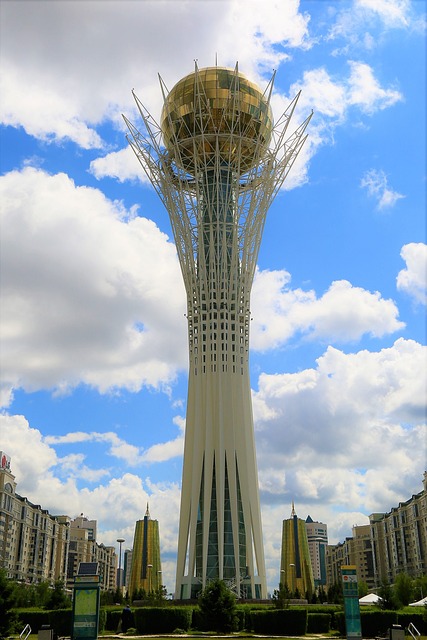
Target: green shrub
[[113, 618], [61, 621], [376, 623], [279, 622], [318, 622], [34, 618], [404, 618], [152, 620]]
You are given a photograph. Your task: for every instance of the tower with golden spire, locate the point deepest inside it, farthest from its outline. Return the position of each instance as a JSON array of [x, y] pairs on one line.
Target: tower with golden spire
[[296, 571], [146, 569]]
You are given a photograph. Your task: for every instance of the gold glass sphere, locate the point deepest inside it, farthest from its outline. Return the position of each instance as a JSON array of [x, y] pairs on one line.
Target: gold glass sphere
[[216, 111]]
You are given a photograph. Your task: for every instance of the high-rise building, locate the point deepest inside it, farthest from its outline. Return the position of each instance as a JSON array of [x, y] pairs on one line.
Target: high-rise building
[[355, 550], [217, 161], [83, 547], [295, 565], [399, 538], [33, 543], [146, 569], [317, 537]]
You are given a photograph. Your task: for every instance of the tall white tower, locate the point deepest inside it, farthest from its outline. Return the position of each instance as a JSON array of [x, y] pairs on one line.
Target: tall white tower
[[217, 160]]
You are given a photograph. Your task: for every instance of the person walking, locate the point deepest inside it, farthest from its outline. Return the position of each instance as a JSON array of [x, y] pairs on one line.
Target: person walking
[[126, 618]]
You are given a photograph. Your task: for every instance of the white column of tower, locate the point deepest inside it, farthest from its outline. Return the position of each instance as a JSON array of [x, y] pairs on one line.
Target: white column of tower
[[217, 161]]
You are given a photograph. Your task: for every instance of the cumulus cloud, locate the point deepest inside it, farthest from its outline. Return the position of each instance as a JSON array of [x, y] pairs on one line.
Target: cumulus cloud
[[376, 184], [413, 279], [359, 414], [366, 92], [91, 292], [344, 313], [121, 165], [117, 448], [354, 24], [108, 50]]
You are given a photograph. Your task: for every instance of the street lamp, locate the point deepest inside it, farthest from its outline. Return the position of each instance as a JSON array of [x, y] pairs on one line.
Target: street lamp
[[119, 580], [282, 578]]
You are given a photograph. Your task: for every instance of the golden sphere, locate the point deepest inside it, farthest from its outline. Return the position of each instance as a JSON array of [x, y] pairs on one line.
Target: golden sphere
[[227, 115]]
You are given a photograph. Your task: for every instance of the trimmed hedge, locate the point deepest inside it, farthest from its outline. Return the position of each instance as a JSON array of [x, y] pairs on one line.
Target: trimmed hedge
[[114, 617], [374, 623], [279, 622], [417, 618], [36, 619], [318, 622], [152, 620]]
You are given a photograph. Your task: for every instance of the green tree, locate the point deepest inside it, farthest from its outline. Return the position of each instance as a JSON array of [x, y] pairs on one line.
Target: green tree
[[420, 588], [281, 596], [388, 599], [157, 597], [322, 595], [7, 617], [118, 596], [218, 606], [404, 589], [58, 599], [335, 595], [362, 589], [42, 593]]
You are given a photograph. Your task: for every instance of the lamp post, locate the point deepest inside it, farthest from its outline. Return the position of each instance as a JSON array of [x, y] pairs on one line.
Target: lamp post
[[282, 578], [119, 577]]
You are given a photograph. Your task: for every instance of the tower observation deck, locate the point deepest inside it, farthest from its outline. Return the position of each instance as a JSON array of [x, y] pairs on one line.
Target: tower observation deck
[[216, 161]]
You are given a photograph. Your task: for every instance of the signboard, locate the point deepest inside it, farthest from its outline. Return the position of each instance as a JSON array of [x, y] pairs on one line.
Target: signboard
[[351, 602], [4, 461], [86, 609]]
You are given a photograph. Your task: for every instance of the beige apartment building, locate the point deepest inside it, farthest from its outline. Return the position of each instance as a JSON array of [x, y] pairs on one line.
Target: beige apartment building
[[84, 548], [33, 543], [399, 538], [355, 550], [392, 543], [36, 546]]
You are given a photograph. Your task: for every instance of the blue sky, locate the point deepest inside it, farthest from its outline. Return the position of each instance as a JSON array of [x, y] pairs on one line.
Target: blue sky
[[93, 333]]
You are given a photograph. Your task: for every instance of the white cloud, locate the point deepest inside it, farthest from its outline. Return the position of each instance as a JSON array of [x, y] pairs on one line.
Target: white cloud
[[81, 300], [366, 92], [118, 448], [360, 415], [353, 24], [393, 13], [85, 59], [121, 165], [413, 279], [344, 313], [376, 183]]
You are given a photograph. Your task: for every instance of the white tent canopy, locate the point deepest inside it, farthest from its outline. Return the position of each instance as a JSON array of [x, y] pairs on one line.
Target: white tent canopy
[[370, 598], [420, 603]]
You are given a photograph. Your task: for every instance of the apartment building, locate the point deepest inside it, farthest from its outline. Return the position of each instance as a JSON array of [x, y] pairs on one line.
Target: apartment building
[[399, 538], [392, 543], [355, 550], [84, 548], [317, 538], [33, 543]]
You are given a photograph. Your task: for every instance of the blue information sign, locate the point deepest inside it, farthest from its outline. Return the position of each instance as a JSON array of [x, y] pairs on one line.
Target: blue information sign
[[351, 602]]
